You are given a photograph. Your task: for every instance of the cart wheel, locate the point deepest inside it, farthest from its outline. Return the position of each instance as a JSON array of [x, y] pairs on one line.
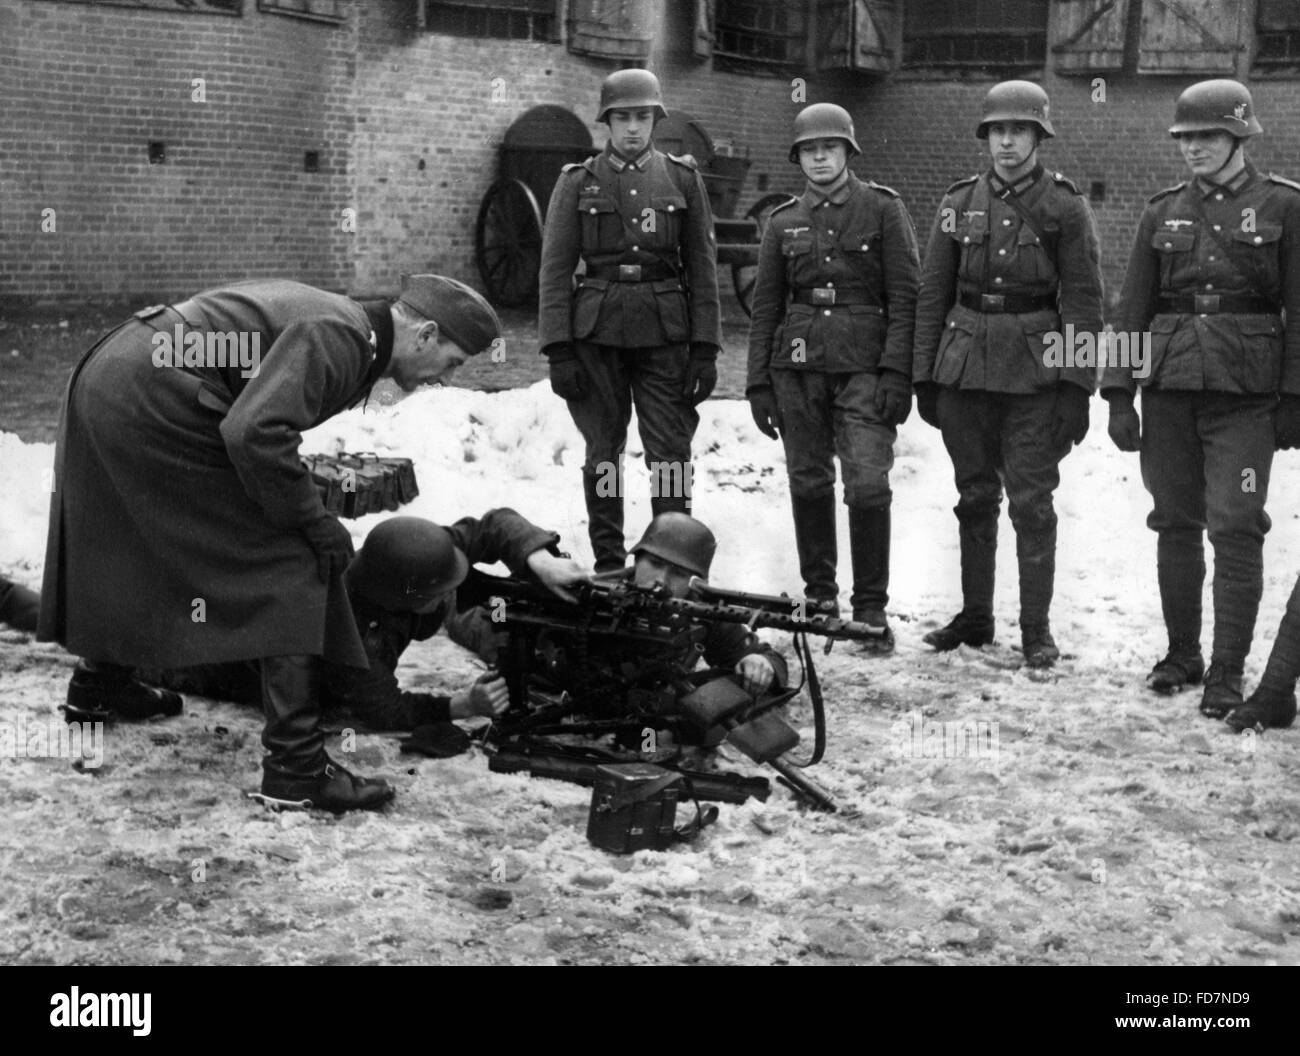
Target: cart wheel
[[508, 243], [743, 276]]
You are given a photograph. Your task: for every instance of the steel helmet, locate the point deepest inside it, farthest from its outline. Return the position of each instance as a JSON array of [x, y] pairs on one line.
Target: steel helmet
[[631, 90], [681, 539], [406, 563], [1016, 101], [823, 121], [1216, 106]]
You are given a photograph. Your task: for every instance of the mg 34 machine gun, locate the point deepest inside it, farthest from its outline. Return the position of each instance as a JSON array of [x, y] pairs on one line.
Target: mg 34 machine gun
[[621, 661]]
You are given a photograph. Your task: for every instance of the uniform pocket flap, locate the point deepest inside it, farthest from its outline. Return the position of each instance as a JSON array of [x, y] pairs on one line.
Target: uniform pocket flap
[[1026, 236], [970, 234], [795, 245], [1173, 241], [1263, 233], [1255, 325], [669, 203], [595, 205], [862, 243]]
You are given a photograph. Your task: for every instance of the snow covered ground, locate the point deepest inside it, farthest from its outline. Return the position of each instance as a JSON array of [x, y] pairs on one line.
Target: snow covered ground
[[1095, 823]]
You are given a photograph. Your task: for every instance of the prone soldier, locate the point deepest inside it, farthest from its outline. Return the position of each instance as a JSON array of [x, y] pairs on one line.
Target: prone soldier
[[830, 357], [1013, 258], [642, 327], [1215, 266]]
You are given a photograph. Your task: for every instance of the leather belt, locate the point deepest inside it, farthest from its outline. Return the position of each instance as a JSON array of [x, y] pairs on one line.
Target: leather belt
[[833, 296], [1007, 302], [630, 272], [1217, 304]]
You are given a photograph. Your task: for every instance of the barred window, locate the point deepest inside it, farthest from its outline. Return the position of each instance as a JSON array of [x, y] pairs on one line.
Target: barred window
[[759, 36], [175, 7], [330, 11], [980, 34], [1277, 23], [508, 20]]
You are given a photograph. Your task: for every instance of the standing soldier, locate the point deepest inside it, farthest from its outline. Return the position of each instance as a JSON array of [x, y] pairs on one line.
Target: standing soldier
[[1215, 264], [643, 324], [830, 356], [1012, 263]]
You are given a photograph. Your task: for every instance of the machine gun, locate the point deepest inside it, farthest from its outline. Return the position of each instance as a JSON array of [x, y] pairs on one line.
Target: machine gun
[[621, 659]]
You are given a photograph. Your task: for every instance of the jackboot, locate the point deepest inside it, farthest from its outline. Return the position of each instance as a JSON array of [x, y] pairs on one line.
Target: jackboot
[[869, 529], [1036, 555], [1180, 572], [669, 494], [296, 769], [605, 522], [979, 550], [814, 538]]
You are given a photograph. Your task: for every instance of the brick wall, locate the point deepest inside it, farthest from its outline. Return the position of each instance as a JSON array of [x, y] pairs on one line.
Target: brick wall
[[86, 88]]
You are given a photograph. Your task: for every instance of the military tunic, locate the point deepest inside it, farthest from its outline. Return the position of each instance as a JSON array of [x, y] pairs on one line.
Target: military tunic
[[1010, 268], [858, 247], [1212, 271]]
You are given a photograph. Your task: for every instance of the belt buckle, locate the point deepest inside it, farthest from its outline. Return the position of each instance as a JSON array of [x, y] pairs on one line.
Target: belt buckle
[[1205, 303], [823, 295], [629, 273], [993, 302]]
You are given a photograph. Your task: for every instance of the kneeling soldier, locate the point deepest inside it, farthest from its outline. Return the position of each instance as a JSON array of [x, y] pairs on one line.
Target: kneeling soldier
[[1013, 258], [830, 356], [1215, 265]]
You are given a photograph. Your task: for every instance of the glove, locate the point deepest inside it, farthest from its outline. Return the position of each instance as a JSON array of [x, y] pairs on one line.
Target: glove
[[1070, 417], [1125, 426], [568, 379], [332, 543], [767, 416], [893, 397], [701, 372], [927, 402], [1286, 423]]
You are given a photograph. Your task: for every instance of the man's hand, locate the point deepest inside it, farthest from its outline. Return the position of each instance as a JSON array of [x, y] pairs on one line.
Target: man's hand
[[332, 543], [1070, 417], [893, 397], [1125, 428], [487, 696], [767, 416], [1286, 423], [701, 373], [756, 673], [568, 378], [556, 573], [927, 402]]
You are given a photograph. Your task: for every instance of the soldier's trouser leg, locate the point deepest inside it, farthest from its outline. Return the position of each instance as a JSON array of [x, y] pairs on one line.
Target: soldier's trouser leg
[[602, 418], [865, 445], [1283, 666], [1237, 438], [667, 421], [291, 704], [1031, 472], [970, 421], [804, 399], [19, 606]]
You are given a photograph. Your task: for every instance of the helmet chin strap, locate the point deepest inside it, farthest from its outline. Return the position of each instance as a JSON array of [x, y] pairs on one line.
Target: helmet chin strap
[[1236, 146]]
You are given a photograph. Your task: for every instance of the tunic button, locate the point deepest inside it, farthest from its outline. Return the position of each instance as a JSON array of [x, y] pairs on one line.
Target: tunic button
[[671, 208], [1006, 223], [998, 278], [828, 260], [1209, 285], [1218, 197], [636, 249], [951, 325], [1169, 245], [593, 210], [1002, 252], [966, 239], [1212, 259], [1258, 239], [632, 191], [830, 230], [866, 245], [826, 311], [1218, 227], [830, 285]]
